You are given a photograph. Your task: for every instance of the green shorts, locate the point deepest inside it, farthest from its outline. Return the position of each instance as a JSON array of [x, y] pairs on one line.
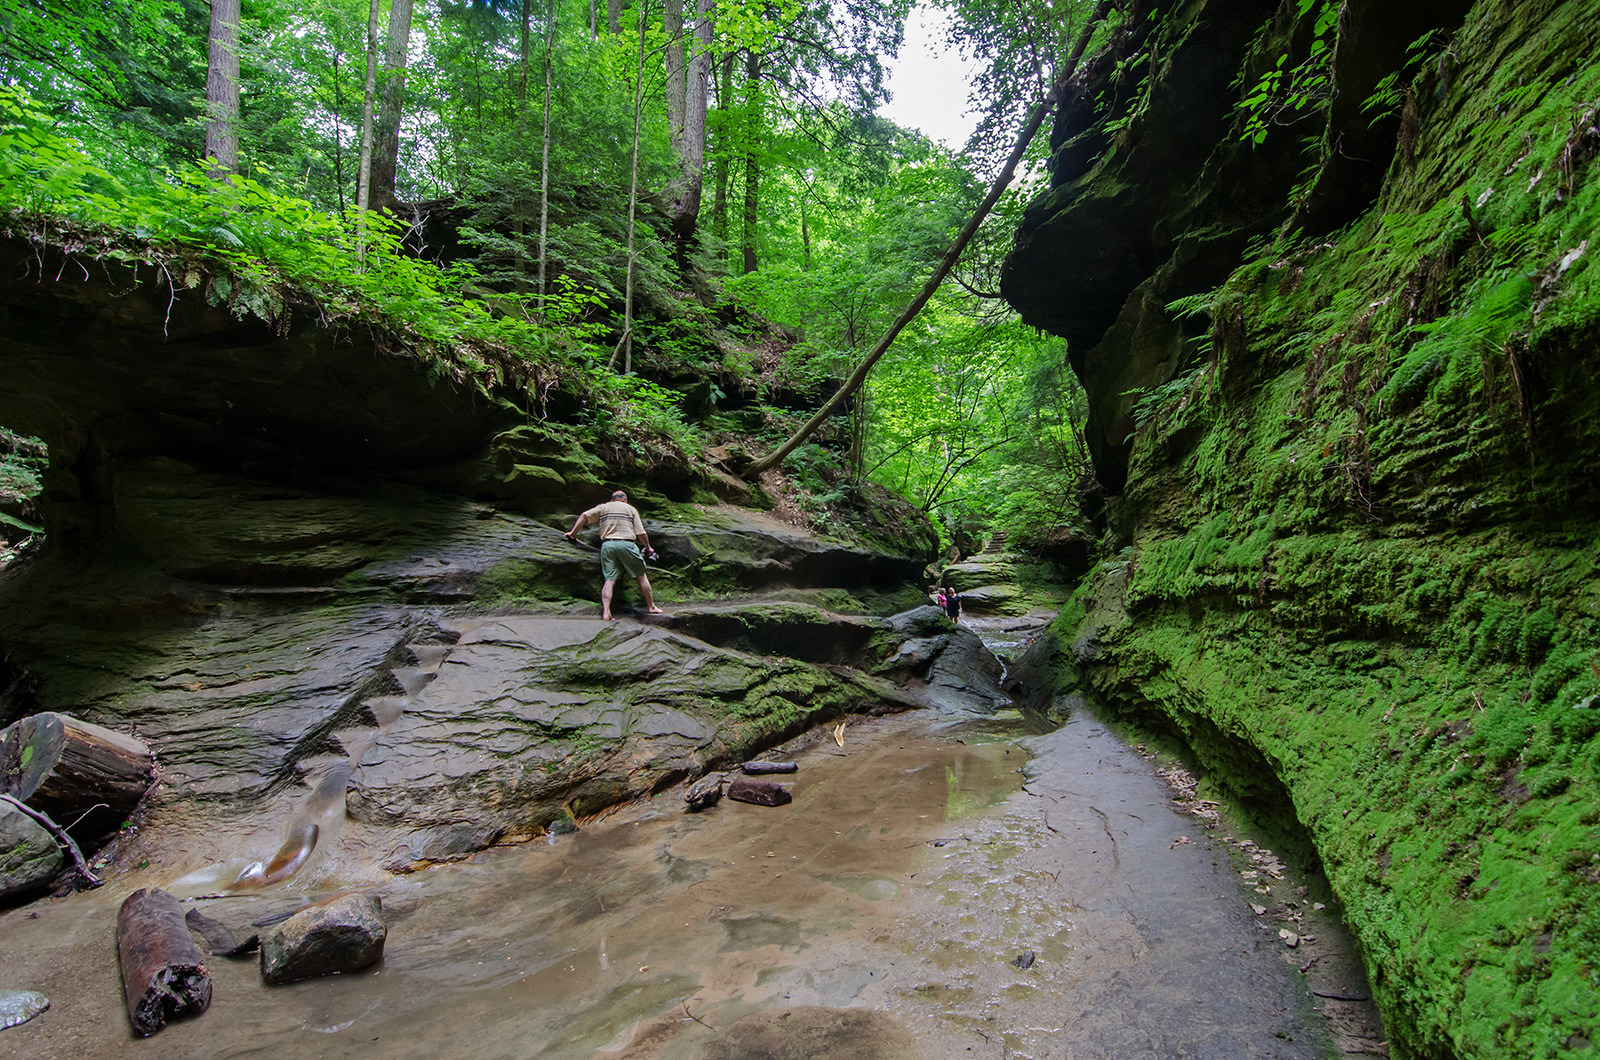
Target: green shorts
[[618, 558]]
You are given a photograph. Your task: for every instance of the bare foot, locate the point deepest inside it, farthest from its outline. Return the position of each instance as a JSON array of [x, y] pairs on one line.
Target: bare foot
[[655, 611]]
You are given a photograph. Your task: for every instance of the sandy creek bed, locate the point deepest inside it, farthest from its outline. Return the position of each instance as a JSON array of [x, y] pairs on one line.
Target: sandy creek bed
[[881, 914]]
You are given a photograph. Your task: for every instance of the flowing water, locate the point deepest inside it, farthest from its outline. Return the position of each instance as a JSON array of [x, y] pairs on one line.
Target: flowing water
[[940, 887]]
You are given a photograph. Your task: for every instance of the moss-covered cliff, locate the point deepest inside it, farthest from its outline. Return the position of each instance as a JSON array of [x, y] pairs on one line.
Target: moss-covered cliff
[[1326, 270]]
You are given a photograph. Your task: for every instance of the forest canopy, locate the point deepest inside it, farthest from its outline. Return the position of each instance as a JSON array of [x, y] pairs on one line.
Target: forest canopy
[[610, 198]]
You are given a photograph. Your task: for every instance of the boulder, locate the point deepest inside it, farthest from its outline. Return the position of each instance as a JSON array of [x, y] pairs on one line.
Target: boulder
[[29, 856], [987, 568], [966, 676], [993, 600], [1043, 674], [758, 792], [344, 934], [705, 792]]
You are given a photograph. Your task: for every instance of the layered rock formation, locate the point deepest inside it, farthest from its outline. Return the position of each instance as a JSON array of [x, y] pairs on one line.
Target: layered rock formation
[[327, 582], [1326, 273]]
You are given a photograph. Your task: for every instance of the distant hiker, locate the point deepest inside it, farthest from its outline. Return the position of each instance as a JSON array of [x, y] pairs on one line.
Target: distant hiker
[[952, 603], [622, 537], [939, 598]]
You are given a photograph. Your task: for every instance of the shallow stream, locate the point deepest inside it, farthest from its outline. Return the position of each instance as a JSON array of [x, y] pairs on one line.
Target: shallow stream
[[941, 886]]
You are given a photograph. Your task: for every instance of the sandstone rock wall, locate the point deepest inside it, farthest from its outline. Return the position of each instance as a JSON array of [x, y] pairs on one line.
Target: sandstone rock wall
[[1356, 564]]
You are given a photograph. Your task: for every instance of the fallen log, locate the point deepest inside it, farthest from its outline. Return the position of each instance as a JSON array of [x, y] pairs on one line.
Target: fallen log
[[164, 974], [61, 837], [758, 792], [759, 768], [86, 777]]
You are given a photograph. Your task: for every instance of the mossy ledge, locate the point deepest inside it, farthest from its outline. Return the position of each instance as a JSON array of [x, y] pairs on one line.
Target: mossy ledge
[[1353, 420]]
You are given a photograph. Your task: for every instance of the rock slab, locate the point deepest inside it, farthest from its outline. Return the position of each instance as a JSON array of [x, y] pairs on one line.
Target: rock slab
[[19, 1006], [345, 934], [758, 792]]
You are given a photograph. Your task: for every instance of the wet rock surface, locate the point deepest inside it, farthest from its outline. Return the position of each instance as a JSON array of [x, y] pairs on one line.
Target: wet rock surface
[[909, 871], [361, 675], [807, 1032], [19, 1006]]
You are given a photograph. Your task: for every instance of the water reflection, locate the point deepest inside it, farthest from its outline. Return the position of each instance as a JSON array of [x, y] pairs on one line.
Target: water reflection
[[898, 886]]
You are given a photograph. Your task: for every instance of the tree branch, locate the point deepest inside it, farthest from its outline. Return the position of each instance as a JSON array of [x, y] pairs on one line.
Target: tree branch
[[60, 835], [1001, 181]]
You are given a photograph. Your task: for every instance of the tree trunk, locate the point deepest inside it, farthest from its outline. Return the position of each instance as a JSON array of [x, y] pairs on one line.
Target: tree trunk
[[719, 202], [164, 973], [338, 137], [805, 234], [691, 147], [625, 346], [518, 222], [87, 778], [752, 163], [677, 86], [391, 105], [1030, 128], [222, 90], [614, 16], [369, 93], [544, 154]]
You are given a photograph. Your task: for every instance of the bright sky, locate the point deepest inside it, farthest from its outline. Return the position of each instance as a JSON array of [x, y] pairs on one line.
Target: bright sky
[[930, 82]]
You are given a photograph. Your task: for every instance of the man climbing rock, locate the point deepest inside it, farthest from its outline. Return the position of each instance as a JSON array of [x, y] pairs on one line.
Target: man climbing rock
[[622, 538]]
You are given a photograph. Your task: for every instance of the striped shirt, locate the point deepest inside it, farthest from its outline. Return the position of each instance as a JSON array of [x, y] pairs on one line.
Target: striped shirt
[[619, 520]]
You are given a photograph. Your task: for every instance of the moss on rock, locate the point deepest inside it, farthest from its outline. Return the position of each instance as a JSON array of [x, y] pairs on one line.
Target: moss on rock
[[1361, 553]]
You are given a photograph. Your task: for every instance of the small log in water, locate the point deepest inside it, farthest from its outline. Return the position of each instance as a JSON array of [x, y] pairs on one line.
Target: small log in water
[[164, 974], [758, 768]]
